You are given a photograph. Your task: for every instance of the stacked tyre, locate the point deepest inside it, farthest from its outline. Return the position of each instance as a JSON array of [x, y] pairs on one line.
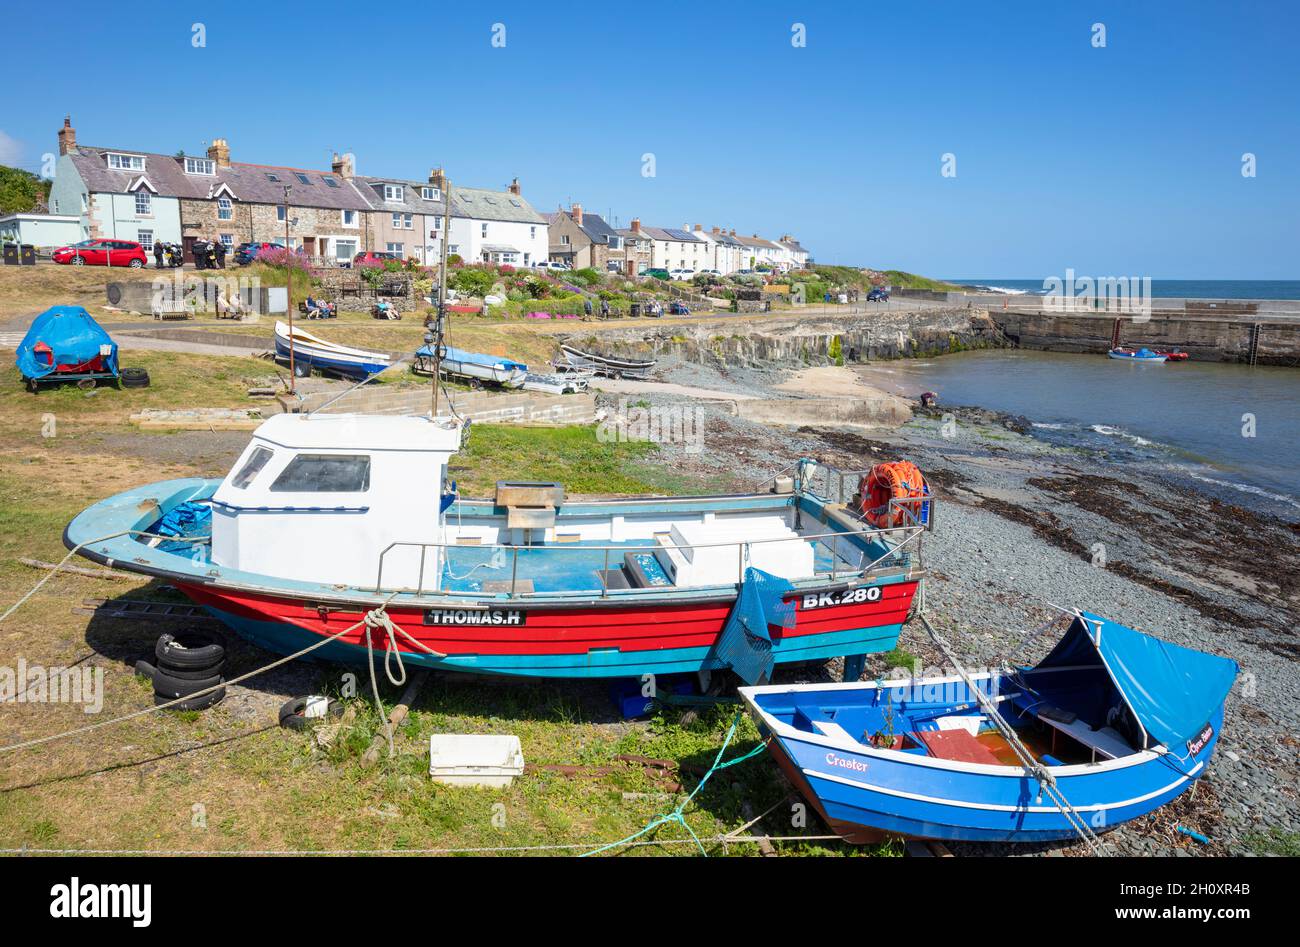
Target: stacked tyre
[[188, 670]]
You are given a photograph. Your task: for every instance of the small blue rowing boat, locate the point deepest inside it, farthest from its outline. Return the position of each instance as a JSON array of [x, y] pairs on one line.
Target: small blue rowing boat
[[1121, 723], [1138, 355]]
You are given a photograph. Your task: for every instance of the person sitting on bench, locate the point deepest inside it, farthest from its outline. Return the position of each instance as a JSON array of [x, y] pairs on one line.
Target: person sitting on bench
[[386, 310], [319, 309]]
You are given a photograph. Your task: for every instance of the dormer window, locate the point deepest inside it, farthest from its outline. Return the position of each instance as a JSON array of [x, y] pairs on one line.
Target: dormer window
[[143, 202], [394, 192], [125, 162], [431, 193], [200, 166]]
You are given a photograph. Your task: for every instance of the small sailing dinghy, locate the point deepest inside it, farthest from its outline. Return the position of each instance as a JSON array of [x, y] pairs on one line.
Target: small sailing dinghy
[[1138, 355], [326, 519], [312, 352], [1121, 722]]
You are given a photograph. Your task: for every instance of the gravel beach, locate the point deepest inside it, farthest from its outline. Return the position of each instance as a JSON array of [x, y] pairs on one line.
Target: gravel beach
[[1022, 523]]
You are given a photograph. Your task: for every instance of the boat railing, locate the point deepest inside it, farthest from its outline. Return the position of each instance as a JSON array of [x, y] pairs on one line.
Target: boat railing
[[903, 545]]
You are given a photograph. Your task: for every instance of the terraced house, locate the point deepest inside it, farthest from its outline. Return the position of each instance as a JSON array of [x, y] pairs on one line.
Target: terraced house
[[330, 215]]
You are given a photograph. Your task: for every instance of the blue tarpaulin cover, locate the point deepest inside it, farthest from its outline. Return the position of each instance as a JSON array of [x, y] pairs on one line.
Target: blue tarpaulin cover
[[73, 337], [745, 644], [1173, 691], [472, 358]]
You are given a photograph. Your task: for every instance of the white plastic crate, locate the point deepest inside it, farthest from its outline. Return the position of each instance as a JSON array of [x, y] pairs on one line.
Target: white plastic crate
[[461, 759]]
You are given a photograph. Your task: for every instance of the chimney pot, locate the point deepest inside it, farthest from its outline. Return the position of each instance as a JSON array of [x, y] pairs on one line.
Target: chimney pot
[[514, 187], [437, 178], [219, 151], [717, 230], [636, 224], [342, 166], [698, 227], [67, 136]]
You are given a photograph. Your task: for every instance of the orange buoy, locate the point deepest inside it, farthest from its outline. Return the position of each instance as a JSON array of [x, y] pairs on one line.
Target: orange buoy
[[897, 480]]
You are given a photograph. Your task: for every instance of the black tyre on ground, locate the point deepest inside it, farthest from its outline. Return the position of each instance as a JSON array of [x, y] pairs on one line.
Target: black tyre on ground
[[293, 718], [190, 649], [133, 378], [190, 674], [193, 703], [172, 687]]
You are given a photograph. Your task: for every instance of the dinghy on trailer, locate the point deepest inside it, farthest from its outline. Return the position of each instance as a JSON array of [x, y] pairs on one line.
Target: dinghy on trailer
[[1118, 723], [312, 352], [325, 518]]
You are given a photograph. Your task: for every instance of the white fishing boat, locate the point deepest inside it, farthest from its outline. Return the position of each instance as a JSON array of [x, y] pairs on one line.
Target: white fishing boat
[[312, 352]]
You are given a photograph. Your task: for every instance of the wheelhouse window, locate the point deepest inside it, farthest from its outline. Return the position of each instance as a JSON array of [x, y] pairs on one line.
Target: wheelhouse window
[[325, 473], [252, 467], [200, 166]]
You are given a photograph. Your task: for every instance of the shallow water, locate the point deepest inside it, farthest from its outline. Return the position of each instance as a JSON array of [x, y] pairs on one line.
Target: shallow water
[[1194, 418]]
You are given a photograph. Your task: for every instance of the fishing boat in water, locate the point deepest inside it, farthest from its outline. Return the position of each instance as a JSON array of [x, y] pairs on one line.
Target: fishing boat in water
[[1109, 726], [1137, 355], [327, 519], [312, 352]]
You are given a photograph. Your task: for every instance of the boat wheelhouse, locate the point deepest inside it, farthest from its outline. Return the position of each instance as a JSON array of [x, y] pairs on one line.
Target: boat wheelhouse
[[324, 518]]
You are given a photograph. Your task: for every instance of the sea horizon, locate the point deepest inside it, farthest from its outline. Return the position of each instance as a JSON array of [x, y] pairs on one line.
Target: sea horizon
[[1163, 288]]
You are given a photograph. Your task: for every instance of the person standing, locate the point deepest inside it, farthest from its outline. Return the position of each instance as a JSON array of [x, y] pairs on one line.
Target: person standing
[[218, 254], [586, 307], [604, 309], [158, 255]]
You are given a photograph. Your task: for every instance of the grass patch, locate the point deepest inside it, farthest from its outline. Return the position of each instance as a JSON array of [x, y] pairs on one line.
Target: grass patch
[[1275, 841], [899, 658]]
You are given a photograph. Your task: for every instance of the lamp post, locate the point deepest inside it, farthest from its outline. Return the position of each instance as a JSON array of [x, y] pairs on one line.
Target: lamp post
[[288, 282]]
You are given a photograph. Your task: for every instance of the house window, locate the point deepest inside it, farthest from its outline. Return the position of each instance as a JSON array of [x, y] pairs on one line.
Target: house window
[[302, 178], [325, 473], [409, 221], [564, 239], [349, 218], [532, 232], [483, 230], [281, 213], [85, 202], [143, 202], [225, 211], [437, 223], [430, 193], [200, 166], [344, 250], [272, 177], [228, 239], [145, 238], [398, 248], [397, 221], [393, 192], [126, 162]]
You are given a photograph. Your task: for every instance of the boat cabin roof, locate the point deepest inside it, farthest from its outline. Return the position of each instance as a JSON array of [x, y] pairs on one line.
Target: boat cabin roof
[[361, 432]]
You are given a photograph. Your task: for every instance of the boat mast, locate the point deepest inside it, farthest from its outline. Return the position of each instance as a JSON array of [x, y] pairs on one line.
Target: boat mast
[[440, 326]]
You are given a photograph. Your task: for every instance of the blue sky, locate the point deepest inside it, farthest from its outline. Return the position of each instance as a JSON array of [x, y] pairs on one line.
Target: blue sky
[[1124, 160]]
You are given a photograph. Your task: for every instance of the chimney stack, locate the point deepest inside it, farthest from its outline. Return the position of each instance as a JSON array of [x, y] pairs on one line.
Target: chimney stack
[[514, 187], [698, 228], [733, 231], [717, 230], [219, 151], [636, 224], [438, 179], [342, 166], [67, 136], [577, 214]]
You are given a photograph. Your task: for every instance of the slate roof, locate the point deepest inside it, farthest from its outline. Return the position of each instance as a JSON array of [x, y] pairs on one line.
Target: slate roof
[[593, 225], [792, 245], [411, 203], [757, 242], [682, 236], [249, 183], [481, 204]]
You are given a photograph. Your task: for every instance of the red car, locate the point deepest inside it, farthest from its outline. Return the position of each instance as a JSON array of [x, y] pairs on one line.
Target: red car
[[103, 253]]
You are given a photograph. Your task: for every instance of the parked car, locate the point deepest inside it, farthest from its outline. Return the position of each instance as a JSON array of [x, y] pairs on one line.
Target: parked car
[[681, 274], [878, 295], [709, 273], [101, 252], [656, 273], [551, 265], [375, 257], [246, 253]]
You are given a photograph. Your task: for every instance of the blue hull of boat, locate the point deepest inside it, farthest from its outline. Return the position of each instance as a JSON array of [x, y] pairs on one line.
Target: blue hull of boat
[[321, 361]]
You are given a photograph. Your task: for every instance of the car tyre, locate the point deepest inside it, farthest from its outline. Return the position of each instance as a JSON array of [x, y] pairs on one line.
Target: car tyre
[[190, 649], [193, 703], [292, 717], [77, 261], [134, 378]]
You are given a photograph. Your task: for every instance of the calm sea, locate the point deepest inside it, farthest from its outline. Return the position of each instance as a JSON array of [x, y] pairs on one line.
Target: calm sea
[[1191, 420], [1171, 288]]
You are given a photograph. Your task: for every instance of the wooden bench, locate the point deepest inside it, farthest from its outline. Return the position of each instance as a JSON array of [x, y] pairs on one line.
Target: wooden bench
[[1106, 742]]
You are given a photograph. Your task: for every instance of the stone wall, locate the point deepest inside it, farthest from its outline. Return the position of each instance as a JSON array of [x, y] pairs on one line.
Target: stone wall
[[484, 407]]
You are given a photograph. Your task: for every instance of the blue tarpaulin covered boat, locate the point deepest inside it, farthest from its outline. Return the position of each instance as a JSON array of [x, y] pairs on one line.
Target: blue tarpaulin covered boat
[[65, 342], [1118, 723], [475, 366]]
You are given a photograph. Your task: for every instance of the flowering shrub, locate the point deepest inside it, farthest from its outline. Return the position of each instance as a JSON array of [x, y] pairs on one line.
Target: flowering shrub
[[284, 259]]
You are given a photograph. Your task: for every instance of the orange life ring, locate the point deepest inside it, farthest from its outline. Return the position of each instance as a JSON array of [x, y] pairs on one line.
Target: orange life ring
[[899, 480]]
